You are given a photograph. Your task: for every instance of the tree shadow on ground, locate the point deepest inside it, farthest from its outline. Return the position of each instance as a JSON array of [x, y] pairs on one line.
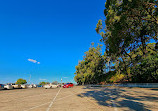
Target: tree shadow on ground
[[121, 97], [154, 89]]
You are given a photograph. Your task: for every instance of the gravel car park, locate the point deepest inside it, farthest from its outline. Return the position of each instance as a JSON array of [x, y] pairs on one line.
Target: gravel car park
[[80, 98]]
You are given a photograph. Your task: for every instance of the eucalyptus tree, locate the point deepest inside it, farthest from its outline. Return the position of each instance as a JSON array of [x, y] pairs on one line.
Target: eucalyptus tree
[[21, 81], [129, 24], [146, 69], [90, 69]]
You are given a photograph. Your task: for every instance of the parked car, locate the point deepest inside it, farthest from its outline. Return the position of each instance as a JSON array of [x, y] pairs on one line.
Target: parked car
[[8, 86], [48, 86], [16, 86], [39, 86], [59, 85], [24, 86], [32, 86], [1, 86], [68, 85]]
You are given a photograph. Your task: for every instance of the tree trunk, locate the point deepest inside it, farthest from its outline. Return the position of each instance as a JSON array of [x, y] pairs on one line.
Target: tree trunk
[[125, 69]]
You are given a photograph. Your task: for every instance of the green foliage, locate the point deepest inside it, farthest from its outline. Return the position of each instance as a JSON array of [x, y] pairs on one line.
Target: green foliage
[[130, 24], [117, 78], [143, 68], [129, 57], [90, 69], [113, 77], [146, 69], [43, 83], [109, 75], [21, 81]]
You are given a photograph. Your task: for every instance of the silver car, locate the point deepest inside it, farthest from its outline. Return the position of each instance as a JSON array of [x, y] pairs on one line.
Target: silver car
[[8, 86]]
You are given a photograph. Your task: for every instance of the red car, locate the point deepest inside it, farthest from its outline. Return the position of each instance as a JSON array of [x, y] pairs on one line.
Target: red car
[[68, 85]]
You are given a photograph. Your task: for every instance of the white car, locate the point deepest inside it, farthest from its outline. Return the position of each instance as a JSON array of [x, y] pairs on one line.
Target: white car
[[16, 86], [35, 86], [8, 86], [24, 86], [48, 86], [32, 86]]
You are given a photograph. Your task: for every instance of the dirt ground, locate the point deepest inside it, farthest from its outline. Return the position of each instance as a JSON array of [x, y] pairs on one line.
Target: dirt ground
[[80, 98]]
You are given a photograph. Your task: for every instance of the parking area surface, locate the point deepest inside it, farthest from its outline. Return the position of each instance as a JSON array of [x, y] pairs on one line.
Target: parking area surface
[[80, 98]]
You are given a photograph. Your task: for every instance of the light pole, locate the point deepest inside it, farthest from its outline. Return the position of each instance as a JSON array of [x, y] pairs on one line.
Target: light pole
[[29, 79], [61, 82]]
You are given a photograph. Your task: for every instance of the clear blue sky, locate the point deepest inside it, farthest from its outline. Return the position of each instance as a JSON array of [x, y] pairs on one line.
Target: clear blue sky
[[55, 33]]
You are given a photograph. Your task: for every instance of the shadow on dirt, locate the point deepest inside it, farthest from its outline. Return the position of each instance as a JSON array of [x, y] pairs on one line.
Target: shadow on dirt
[[131, 100], [154, 89]]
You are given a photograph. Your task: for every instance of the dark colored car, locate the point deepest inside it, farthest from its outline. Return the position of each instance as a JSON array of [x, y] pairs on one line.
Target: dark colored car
[[39, 86], [1, 86], [68, 85]]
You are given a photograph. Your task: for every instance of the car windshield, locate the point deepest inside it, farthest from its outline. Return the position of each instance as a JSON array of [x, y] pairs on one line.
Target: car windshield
[[67, 83]]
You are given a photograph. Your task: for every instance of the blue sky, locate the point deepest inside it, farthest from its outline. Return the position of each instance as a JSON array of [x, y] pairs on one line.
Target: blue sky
[[54, 33]]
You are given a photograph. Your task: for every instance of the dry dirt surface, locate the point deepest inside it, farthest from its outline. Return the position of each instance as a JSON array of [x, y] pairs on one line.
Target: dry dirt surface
[[80, 98]]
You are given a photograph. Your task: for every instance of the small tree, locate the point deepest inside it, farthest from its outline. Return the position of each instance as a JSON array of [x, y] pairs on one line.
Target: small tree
[[43, 83], [21, 81], [90, 69]]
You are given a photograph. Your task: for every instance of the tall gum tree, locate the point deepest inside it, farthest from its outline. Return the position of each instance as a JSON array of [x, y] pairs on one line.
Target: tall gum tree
[[90, 69], [129, 24]]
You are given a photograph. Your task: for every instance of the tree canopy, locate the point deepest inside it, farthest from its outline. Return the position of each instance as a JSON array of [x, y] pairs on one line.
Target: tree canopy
[[21, 81], [145, 69], [129, 24], [43, 83], [90, 69], [127, 32]]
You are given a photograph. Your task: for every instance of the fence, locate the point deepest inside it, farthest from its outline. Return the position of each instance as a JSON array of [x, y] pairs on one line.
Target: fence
[[142, 85]]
